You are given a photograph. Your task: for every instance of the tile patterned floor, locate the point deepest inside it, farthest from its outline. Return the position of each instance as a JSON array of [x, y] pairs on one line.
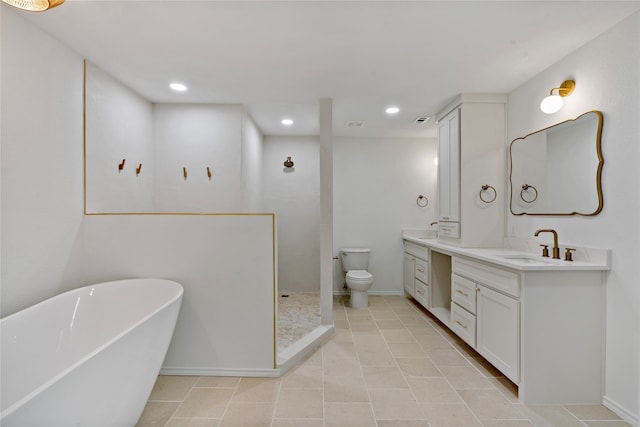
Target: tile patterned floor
[[391, 365]]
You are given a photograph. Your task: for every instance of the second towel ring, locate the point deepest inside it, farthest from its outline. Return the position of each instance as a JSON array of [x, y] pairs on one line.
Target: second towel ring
[[484, 189], [525, 190], [422, 201]]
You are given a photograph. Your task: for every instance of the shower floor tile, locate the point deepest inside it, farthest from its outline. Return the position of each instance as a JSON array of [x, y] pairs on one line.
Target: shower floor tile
[[298, 314]]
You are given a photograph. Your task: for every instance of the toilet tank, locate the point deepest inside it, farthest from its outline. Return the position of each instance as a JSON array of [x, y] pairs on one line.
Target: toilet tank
[[354, 258]]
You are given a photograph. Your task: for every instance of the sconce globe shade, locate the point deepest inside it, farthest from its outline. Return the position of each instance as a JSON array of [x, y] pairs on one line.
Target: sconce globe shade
[[551, 104], [34, 5]]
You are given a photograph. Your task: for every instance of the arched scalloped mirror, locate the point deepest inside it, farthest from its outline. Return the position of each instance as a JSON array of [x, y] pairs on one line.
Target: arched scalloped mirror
[[558, 170]]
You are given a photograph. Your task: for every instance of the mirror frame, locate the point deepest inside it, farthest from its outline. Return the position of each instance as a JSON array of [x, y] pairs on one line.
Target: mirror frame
[[598, 172]]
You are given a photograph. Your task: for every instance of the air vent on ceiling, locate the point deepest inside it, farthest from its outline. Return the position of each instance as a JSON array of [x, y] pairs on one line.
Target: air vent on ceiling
[[421, 120], [354, 123]]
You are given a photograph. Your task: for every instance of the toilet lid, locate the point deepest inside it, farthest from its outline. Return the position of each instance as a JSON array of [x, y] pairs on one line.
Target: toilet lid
[[359, 275]]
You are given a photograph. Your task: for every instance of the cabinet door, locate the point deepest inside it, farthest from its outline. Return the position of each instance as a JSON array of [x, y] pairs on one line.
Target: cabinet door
[[409, 265], [498, 331], [449, 167]]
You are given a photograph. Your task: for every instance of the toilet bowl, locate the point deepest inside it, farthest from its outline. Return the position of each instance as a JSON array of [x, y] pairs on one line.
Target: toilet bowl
[[355, 262]]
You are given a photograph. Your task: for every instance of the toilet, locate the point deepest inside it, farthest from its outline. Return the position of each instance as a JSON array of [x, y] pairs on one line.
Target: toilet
[[355, 262]]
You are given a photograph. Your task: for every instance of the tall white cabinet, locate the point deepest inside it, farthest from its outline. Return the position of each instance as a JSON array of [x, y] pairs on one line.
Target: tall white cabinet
[[471, 156]]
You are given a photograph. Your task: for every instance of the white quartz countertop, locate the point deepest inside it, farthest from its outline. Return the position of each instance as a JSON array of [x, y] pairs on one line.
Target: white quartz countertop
[[516, 259]]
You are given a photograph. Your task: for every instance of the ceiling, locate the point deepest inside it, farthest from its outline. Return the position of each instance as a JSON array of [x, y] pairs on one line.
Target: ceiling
[[278, 58]]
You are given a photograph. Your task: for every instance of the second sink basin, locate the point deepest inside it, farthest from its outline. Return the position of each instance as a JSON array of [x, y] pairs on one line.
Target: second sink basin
[[524, 259]]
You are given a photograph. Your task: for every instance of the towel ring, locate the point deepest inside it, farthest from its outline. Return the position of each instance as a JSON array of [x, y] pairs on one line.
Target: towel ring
[[422, 201], [525, 190], [484, 190]]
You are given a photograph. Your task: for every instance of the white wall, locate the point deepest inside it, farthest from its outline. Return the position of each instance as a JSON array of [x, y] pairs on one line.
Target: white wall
[[119, 126], [294, 195], [226, 265], [607, 75], [375, 184], [252, 149], [165, 138], [194, 136], [42, 166]]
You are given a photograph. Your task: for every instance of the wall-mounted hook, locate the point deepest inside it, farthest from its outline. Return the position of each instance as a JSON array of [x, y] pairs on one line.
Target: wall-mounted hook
[[184, 172], [121, 165], [208, 172], [138, 169], [288, 163]]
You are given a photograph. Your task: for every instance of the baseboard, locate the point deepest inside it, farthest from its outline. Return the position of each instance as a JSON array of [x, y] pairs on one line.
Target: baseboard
[[285, 360], [620, 411], [219, 372], [382, 293]]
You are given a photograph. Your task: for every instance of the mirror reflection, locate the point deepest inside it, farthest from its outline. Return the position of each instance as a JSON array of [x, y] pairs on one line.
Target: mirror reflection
[[557, 170]]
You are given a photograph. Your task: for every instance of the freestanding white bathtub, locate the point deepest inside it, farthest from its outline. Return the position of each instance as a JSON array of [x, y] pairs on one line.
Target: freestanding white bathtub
[[87, 357]]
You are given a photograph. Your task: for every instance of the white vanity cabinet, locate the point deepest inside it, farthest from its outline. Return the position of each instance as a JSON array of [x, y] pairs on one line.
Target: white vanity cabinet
[[498, 331], [449, 174], [541, 324], [471, 154], [408, 268], [416, 273], [485, 312]]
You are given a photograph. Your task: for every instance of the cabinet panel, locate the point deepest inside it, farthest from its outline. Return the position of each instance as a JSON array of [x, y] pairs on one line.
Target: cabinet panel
[[502, 280], [463, 323], [498, 331], [449, 229], [422, 293], [449, 167], [463, 293], [422, 270], [408, 274]]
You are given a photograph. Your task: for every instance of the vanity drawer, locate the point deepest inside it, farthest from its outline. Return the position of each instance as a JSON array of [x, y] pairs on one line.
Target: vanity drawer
[[463, 292], [422, 270], [463, 323], [449, 229], [422, 293], [504, 281], [416, 250]]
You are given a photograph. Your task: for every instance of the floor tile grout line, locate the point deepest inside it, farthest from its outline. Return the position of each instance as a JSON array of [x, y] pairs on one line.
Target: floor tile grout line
[[464, 402], [277, 399], [181, 403]]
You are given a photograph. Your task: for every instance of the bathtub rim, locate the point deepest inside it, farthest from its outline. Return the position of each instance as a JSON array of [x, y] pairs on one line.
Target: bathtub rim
[[55, 378]]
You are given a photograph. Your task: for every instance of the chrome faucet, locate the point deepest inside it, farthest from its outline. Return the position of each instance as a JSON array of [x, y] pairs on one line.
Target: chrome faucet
[[556, 248]]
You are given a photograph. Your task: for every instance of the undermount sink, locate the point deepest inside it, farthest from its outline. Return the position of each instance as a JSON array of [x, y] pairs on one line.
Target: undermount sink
[[524, 259]]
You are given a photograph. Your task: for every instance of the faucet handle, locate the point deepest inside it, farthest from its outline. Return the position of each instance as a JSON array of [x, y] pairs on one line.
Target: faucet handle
[[545, 251], [568, 255]]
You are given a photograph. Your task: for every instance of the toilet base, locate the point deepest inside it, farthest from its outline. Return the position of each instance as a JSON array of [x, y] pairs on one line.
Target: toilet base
[[359, 299]]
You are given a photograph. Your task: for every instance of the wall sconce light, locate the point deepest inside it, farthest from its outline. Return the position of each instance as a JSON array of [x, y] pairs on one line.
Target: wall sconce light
[[553, 103], [34, 5]]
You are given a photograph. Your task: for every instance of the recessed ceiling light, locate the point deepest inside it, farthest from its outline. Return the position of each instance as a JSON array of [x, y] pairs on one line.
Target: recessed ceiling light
[[178, 87], [287, 122], [392, 110]]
